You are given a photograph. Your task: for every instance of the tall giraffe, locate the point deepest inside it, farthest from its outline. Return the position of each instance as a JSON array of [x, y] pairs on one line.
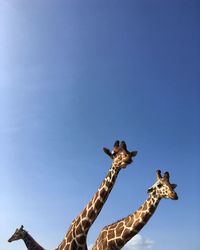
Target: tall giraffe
[[21, 234], [76, 236], [116, 235]]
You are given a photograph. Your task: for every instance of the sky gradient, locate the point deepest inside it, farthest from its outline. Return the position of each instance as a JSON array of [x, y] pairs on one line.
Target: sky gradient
[[74, 77]]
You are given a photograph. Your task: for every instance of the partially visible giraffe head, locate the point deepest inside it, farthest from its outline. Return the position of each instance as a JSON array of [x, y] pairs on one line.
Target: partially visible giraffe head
[[18, 234], [163, 188], [120, 155]]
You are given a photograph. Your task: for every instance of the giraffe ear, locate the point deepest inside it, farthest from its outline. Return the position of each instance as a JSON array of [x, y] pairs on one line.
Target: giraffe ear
[[134, 153], [173, 186], [107, 151], [150, 190]]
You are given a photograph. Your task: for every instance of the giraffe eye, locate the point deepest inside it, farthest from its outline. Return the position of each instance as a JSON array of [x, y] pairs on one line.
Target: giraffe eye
[[159, 185]]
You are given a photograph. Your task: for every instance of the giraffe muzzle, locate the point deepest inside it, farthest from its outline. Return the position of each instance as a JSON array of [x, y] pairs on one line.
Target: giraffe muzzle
[[174, 196], [128, 161]]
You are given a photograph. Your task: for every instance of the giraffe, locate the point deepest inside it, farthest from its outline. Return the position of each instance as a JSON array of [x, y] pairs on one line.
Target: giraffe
[[116, 235], [21, 234], [76, 237]]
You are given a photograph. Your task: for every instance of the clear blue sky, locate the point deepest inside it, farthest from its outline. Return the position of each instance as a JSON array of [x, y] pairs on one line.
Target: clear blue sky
[[74, 77]]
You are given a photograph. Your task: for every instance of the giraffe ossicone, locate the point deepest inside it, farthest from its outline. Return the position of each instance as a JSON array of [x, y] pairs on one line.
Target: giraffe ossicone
[[116, 235]]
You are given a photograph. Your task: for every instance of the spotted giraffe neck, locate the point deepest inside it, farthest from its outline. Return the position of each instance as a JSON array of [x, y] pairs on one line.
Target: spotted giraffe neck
[[77, 233], [30, 243], [116, 235]]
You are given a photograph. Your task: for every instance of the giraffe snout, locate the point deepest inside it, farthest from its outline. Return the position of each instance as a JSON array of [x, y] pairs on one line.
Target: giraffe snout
[[174, 196]]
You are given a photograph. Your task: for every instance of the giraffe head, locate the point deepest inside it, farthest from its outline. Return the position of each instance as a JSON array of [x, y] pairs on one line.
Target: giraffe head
[[18, 234], [163, 188], [120, 155]]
